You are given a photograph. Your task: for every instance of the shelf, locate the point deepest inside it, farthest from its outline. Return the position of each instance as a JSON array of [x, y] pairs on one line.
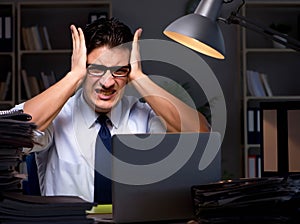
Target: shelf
[[279, 65], [253, 145], [38, 20], [267, 12], [269, 50], [7, 55], [62, 51], [271, 98], [53, 16], [269, 4], [11, 54]]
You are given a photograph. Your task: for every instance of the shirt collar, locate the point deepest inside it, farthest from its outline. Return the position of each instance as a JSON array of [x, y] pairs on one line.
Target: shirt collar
[[116, 114], [90, 116]]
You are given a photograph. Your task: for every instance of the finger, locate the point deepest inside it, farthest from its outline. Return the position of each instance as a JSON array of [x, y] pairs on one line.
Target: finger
[[76, 41], [136, 38], [81, 36], [135, 57], [72, 27], [137, 34]]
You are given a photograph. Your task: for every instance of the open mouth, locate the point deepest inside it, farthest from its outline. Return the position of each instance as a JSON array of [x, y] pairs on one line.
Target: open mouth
[[105, 92]]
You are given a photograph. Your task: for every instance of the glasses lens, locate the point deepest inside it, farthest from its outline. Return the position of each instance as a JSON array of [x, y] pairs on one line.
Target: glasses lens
[[122, 71], [96, 70], [116, 71]]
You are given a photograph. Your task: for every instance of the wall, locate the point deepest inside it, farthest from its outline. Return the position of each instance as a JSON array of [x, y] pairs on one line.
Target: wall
[[153, 16]]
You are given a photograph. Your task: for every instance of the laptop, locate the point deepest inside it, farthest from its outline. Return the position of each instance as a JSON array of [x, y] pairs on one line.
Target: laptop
[[153, 174]]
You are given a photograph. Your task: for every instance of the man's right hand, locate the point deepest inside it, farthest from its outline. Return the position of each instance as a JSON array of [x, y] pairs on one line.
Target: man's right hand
[[45, 106], [78, 60]]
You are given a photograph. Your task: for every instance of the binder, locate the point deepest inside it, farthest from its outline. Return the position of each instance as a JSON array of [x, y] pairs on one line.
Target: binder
[[6, 33], [253, 125]]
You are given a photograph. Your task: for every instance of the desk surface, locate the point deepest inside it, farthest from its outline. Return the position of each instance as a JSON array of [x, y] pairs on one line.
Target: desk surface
[[100, 218]]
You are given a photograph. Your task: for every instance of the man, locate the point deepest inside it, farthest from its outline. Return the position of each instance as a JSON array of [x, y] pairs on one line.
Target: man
[[102, 65]]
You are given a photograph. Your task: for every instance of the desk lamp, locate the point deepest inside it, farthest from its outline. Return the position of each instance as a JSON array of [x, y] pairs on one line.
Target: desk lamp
[[200, 30]]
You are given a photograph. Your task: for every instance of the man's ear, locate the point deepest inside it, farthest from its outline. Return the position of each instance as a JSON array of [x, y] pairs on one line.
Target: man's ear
[[82, 83]]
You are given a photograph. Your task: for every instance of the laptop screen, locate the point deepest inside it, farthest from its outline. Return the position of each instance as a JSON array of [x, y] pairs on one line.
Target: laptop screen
[[153, 174]]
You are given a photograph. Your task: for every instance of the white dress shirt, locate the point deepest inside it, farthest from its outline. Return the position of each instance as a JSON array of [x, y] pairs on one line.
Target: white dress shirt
[[66, 155]]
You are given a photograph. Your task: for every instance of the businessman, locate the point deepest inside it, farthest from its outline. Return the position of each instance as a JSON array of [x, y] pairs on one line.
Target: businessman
[[105, 59]]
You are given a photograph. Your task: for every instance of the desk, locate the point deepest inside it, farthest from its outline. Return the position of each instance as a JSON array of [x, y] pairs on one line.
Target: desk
[[99, 218]]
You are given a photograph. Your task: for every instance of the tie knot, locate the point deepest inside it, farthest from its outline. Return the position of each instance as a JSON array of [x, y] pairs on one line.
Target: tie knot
[[102, 119]]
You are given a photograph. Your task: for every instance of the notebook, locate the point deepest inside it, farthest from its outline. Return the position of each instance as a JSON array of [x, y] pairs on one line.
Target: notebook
[[153, 174]]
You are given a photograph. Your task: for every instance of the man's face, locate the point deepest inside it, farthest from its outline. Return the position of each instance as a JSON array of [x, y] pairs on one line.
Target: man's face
[[102, 92]]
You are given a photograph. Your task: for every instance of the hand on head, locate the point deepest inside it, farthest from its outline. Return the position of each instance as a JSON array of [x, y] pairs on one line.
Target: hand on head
[[78, 60], [135, 59]]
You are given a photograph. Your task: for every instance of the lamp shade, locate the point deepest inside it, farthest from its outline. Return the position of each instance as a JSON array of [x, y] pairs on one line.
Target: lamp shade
[[199, 33]]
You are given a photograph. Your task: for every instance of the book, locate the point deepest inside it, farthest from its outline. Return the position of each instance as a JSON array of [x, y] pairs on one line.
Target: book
[[45, 42], [33, 85], [2, 89], [1, 28], [25, 38], [8, 28], [26, 83], [253, 125], [6, 86], [52, 78], [6, 40], [252, 166], [266, 85], [45, 80], [249, 83], [48, 79], [255, 85], [254, 160], [40, 83], [47, 39], [36, 38], [30, 38]]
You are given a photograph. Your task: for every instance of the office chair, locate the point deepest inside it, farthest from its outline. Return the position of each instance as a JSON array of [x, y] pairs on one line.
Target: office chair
[[31, 185]]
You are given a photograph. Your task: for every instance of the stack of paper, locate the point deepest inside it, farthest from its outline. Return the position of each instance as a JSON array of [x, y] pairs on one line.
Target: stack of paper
[[250, 200], [15, 133], [21, 209]]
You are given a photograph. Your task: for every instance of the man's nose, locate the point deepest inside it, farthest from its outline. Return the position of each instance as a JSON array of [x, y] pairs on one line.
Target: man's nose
[[107, 79]]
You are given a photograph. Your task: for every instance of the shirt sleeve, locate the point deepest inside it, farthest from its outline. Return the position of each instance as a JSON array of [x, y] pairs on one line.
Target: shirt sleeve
[[155, 123], [43, 140]]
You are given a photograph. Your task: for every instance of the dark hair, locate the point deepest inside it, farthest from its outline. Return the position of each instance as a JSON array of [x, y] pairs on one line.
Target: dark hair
[[106, 32]]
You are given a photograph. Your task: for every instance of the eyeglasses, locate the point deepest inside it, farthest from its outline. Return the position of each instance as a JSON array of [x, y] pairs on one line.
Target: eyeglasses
[[115, 71]]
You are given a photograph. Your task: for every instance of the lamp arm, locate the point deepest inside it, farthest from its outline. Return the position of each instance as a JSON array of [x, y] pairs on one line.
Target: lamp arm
[[263, 30]]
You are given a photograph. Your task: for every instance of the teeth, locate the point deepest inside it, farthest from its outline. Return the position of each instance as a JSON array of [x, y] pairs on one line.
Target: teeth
[[105, 93]]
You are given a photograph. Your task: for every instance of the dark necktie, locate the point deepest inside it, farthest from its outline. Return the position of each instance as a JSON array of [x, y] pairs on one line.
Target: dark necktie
[[102, 193]]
